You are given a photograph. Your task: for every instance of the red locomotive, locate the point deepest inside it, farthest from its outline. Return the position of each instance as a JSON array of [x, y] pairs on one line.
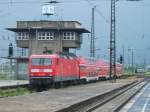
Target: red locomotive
[[61, 67], [53, 68]]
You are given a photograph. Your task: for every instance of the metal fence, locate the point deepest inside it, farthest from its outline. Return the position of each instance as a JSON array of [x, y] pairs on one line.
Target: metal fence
[[8, 70]]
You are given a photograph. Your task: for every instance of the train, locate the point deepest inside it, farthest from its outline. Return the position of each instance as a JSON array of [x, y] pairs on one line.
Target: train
[[56, 68]]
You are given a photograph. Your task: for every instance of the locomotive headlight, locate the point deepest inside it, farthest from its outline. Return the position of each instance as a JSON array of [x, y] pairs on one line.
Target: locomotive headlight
[[34, 70], [47, 70]]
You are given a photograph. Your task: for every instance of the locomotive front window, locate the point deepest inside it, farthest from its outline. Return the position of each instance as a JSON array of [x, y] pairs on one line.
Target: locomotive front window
[[82, 67], [41, 61]]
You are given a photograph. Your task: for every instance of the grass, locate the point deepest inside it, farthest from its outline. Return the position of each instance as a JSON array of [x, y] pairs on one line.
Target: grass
[[147, 73], [7, 76], [3, 77], [127, 76], [14, 92]]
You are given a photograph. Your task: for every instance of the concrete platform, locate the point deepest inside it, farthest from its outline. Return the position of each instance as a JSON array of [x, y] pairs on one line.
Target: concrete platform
[[55, 99], [115, 104], [140, 103], [9, 83]]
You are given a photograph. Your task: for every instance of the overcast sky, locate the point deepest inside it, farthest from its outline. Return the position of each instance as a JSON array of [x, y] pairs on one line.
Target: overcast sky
[[133, 26]]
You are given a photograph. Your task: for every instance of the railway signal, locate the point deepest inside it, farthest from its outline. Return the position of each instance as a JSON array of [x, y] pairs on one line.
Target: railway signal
[[121, 59], [10, 50]]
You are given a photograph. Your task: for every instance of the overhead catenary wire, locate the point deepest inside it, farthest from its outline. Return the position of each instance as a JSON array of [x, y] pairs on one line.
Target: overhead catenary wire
[[62, 1], [98, 11], [105, 19], [90, 2]]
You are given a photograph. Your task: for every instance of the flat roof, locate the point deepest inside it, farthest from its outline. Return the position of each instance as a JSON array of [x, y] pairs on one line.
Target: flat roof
[[17, 57], [83, 30], [51, 21]]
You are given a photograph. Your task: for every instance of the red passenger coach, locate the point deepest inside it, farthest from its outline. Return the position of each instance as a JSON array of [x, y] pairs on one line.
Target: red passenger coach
[[88, 70], [103, 67], [53, 68], [119, 69]]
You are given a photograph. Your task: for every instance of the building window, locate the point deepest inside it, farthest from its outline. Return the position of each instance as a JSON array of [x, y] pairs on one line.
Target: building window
[[22, 35], [45, 35], [68, 35], [79, 37]]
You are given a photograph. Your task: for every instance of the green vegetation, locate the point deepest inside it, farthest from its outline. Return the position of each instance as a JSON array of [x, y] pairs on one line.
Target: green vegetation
[[14, 92], [128, 71], [7, 76], [125, 76], [147, 73], [3, 76]]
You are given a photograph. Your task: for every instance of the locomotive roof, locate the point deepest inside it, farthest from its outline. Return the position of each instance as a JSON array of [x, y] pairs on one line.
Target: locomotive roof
[[54, 55], [84, 60], [44, 55]]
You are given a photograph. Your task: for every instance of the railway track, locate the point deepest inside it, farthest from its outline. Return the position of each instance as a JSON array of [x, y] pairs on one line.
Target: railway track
[[108, 102], [44, 88]]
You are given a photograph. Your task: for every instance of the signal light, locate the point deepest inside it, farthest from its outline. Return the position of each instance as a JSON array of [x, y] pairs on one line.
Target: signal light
[[121, 59], [10, 50]]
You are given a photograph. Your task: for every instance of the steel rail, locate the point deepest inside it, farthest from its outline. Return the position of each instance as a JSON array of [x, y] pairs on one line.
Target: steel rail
[[99, 100]]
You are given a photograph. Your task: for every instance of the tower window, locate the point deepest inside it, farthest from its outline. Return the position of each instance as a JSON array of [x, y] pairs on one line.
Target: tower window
[[45, 35], [68, 35], [22, 35]]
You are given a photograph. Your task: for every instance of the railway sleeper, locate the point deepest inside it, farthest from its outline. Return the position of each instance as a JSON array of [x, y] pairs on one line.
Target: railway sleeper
[[96, 101]]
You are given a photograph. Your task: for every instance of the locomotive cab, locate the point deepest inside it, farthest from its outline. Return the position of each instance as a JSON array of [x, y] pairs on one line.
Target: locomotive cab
[[41, 69]]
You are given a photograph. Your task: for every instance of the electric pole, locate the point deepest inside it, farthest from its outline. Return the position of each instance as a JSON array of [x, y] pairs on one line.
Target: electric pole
[[123, 54], [113, 41], [92, 45], [132, 62]]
